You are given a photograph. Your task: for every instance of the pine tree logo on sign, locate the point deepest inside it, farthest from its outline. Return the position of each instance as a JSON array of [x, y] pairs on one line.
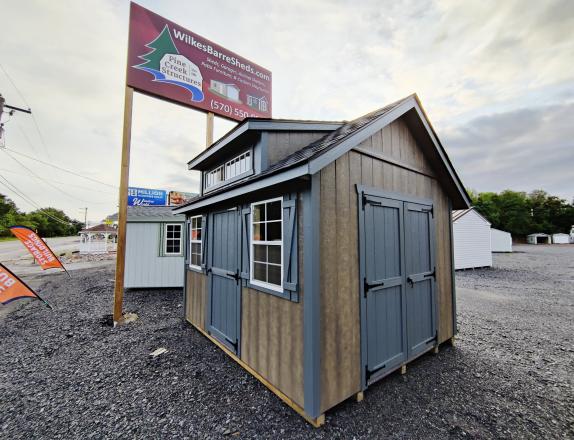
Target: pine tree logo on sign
[[166, 64]]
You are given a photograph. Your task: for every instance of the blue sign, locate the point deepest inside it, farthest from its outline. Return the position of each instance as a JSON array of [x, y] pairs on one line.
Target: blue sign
[[146, 197]]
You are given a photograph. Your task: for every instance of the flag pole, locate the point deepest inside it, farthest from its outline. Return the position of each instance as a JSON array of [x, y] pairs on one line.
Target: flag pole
[[123, 207]]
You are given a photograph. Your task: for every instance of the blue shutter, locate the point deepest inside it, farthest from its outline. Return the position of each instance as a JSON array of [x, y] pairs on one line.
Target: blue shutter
[[203, 241], [245, 263], [290, 260]]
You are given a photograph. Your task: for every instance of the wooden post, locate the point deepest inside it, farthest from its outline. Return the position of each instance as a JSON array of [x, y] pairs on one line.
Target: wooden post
[[123, 207], [209, 131]]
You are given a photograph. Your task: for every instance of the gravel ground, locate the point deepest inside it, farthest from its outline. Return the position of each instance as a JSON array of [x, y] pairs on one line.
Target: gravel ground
[[66, 374]]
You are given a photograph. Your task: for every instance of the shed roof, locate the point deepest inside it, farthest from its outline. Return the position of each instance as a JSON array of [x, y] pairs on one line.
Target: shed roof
[[150, 214], [101, 228], [538, 234], [459, 213], [318, 154]]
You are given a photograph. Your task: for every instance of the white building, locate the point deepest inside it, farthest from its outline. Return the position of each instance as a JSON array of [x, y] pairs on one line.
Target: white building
[[560, 238], [471, 233], [500, 241], [155, 247], [99, 239], [538, 238]]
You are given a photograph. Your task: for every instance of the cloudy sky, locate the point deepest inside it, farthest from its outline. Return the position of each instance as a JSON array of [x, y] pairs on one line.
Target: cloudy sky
[[496, 79]]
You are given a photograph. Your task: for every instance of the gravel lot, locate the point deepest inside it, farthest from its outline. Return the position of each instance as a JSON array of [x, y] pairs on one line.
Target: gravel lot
[[64, 374]]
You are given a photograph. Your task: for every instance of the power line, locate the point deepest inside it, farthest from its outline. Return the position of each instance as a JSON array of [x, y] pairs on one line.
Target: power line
[[15, 190], [40, 135], [60, 168], [48, 183]]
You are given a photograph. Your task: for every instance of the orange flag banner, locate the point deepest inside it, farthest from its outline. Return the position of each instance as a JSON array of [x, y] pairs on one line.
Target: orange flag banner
[[37, 247], [12, 288]]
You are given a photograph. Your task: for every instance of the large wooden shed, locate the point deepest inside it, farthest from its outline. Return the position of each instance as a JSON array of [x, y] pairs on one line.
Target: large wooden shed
[[320, 254]]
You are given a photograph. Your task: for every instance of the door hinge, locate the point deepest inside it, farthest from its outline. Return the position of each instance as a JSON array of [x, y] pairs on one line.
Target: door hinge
[[369, 373], [367, 286], [431, 210], [432, 274], [235, 344], [367, 201]]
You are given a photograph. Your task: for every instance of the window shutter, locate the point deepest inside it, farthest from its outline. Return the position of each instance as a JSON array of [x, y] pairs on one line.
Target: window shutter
[[245, 214], [187, 241], [203, 241], [290, 274]]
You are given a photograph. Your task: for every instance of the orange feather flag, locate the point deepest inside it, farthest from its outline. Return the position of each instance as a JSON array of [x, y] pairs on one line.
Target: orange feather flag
[[13, 288]]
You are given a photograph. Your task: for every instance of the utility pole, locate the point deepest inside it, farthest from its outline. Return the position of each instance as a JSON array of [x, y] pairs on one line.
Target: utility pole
[[86, 217], [11, 112]]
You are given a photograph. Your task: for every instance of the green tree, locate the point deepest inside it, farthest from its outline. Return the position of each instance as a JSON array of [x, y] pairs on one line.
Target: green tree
[[162, 45]]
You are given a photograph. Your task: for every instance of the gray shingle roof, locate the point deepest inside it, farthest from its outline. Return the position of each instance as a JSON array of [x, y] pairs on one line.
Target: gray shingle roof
[[150, 213]]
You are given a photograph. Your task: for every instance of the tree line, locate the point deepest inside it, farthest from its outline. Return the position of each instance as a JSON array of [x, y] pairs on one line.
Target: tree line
[[521, 214], [42, 220]]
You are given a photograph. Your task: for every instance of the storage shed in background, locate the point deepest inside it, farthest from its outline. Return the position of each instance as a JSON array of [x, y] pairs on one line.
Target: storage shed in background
[[500, 241], [538, 238], [472, 248], [560, 238], [154, 247], [320, 256]]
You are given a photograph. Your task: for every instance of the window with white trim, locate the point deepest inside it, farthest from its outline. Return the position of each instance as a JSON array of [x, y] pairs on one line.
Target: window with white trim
[[267, 244], [195, 242], [235, 167], [172, 239]]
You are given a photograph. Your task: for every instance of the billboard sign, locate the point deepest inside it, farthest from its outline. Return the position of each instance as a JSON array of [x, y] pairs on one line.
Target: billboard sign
[[146, 197], [179, 198], [173, 63]]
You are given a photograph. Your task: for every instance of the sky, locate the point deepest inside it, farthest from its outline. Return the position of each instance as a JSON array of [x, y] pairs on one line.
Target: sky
[[496, 79]]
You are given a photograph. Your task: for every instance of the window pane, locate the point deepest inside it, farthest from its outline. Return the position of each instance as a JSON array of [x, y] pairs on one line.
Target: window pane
[[260, 272], [260, 252], [196, 260], [259, 213], [196, 248], [259, 231], [274, 210], [274, 275], [274, 231], [198, 222], [274, 254], [176, 247]]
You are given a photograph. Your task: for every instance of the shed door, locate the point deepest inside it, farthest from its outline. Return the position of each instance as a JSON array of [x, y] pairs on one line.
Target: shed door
[[225, 290], [384, 285], [420, 270]]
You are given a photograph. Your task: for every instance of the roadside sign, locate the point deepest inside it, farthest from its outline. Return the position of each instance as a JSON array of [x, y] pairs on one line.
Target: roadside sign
[[146, 197]]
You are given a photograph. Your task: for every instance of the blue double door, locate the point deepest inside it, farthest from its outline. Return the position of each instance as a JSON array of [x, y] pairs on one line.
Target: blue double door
[[399, 283], [224, 258]]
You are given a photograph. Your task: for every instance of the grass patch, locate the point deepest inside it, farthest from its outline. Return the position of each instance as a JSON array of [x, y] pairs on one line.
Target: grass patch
[[7, 239]]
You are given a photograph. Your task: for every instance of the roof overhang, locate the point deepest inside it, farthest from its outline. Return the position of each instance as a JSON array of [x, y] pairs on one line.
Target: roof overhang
[[259, 125]]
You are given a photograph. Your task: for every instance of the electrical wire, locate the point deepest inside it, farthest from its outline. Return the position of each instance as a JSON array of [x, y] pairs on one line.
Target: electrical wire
[[60, 168], [15, 190], [50, 184], [40, 135]]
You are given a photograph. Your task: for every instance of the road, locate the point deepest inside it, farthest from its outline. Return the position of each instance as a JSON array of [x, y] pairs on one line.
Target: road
[[11, 251]]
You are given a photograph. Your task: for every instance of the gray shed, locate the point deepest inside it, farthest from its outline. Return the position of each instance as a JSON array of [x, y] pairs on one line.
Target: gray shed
[[154, 247], [320, 254]]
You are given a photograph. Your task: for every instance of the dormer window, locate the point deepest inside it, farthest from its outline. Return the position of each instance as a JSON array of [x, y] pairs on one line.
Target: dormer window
[[236, 167]]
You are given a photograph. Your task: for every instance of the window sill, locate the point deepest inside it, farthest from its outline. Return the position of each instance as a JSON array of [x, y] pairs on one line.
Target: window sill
[[195, 269], [284, 294]]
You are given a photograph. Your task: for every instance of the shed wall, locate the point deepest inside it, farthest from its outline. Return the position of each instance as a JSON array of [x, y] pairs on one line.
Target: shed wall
[[283, 143], [500, 241], [471, 242], [393, 163], [196, 297], [560, 238], [144, 265]]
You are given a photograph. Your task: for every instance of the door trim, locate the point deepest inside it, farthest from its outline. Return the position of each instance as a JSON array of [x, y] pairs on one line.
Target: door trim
[[362, 192], [210, 271]]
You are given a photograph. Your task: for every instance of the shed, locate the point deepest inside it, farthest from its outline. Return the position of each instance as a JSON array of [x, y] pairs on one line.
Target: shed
[[326, 263], [472, 247], [500, 241], [155, 241], [538, 238], [560, 238]]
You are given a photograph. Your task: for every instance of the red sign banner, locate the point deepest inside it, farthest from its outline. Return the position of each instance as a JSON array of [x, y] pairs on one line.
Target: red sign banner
[[37, 247], [172, 62], [13, 288]]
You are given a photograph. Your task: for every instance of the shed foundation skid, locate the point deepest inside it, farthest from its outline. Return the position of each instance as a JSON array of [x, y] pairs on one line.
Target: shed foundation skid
[[329, 264]]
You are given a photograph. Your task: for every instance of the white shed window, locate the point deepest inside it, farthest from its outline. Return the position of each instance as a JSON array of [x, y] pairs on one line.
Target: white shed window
[[195, 242], [172, 239], [233, 168], [267, 244]]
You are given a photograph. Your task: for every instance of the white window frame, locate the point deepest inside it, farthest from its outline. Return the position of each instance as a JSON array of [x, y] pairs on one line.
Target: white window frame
[[165, 238], [252, 243], [227, 168], [191, 240]]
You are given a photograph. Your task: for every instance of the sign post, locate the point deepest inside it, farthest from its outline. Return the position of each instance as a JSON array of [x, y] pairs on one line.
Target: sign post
[[209, 130], [123, 208]]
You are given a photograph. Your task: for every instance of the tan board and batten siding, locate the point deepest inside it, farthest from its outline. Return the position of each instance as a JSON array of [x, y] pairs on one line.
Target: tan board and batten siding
[[282, 143], [405, 170], [271, 329]]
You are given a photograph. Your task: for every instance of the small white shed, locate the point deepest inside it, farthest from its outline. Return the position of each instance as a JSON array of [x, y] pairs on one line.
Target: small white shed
[[560, 238], [538, 238], [155, 247], [500, 241], [471, 233]]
